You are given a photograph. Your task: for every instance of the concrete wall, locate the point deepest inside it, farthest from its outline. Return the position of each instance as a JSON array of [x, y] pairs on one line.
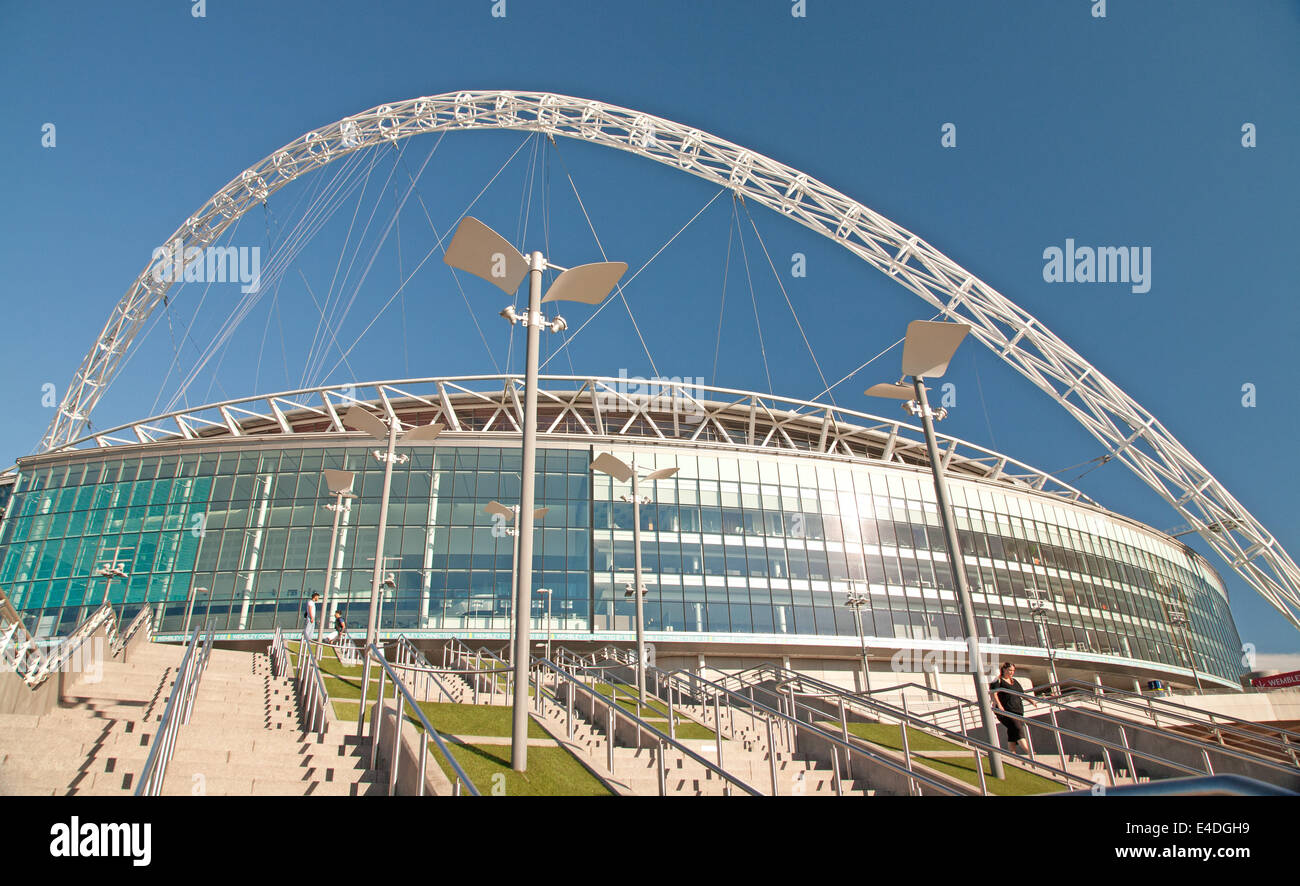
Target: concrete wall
[[1149, 740], [409, 747]]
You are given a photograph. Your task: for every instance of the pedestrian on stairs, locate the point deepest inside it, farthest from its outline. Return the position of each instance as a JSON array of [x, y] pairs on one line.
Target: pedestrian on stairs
[[340, 627], [1010, 703]]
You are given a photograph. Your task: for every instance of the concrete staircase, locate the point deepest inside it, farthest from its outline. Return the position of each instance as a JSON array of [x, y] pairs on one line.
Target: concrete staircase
[[97, 741], [245, 737], [1093, 768], [802, 776]]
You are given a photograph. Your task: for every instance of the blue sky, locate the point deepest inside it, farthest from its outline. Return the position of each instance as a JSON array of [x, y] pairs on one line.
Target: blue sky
[[1118, 131]]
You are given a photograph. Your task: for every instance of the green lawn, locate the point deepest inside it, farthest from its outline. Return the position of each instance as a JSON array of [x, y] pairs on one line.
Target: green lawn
[[1017, 782], [450, 719], [655, 712], [887, 735], [475, 719], [552, 772]]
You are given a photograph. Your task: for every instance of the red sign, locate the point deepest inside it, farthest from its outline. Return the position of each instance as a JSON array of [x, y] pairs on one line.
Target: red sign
[[1277, 681]]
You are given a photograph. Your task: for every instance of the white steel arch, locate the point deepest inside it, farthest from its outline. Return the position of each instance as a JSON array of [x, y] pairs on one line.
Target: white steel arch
[[1128, 431]]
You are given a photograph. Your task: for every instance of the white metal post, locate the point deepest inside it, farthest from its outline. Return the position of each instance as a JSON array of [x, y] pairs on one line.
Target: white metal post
[[636, 585], [372, 626], [329, 571], [959, 578], [524, 524]]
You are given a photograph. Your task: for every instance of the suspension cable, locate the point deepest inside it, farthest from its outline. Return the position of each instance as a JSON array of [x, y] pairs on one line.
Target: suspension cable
[[758, 323], [726, 270], [789, 304]]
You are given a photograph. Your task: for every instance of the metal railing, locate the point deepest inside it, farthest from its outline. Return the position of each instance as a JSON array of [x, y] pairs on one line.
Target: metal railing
[[1276, 740], [279, 653], [456, 658], [412, 660], [780, 724], [24, 654], [728, 703], [313, 700], [1200, 786], [143, 619], [180, 704], [1203, 749], [403, 697], [33, 659], [541, 668], [968, 714], [348, 653]]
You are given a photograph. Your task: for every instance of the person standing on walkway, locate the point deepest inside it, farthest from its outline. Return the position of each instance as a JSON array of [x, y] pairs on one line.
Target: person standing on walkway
[[311, 616], [1010, 702]]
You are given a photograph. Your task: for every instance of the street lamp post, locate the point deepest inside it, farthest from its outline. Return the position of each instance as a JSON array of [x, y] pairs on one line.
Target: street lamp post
[[622, 471], [111, 569], [190, 608], [340, 486], [496, 509], [390, 431], [927, 350], [855, 601], [549, 595], [1178, 618], [1038, 600], [479, 250]]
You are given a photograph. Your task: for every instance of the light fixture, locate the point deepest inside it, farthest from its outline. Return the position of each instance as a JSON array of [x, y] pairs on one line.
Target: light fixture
[[615, 467], [481, 251], [362, 420], [928, 348]]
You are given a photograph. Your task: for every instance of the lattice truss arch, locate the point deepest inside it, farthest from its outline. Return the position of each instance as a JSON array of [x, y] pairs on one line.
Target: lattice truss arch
[[1127, 430]]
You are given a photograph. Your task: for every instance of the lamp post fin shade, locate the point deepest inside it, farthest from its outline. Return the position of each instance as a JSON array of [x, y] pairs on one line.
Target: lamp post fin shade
[[497, 509], [892, 390], [608, 464], [929, 346], [661, 473], [540, 513], [338, 481], [588, 284], [361, 420], [424, 434], [483, 252]]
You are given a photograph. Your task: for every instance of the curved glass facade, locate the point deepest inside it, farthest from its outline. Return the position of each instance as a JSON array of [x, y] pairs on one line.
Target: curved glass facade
[[739, 546]]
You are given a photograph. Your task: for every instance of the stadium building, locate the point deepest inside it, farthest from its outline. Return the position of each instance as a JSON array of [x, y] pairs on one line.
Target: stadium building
[[779, 511]]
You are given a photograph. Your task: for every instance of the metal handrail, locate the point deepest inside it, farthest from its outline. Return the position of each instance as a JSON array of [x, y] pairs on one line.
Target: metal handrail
[[313, 699], [1121, 723], [49, 663], [349, 654], [904, 716], [279, 654], [142, 618], [616, 683], [180, 705], [694, 681], [416, 660], [1058, 731], [459, 649], [1204, 747], [613, 712], [1198, 786], [403, 696], [1173, 709]]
